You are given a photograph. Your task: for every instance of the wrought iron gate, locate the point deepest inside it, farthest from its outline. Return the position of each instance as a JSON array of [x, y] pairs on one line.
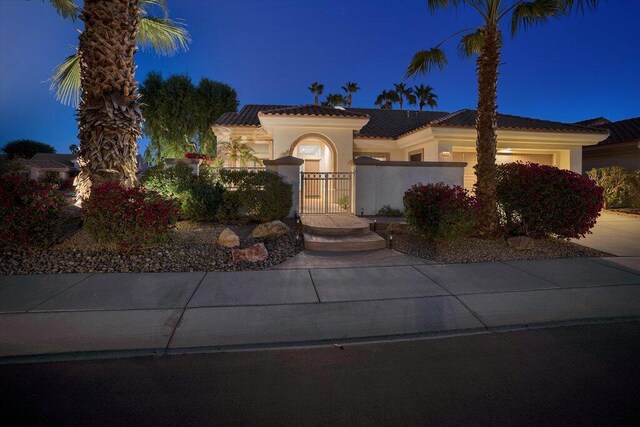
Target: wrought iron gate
[[325, 192]]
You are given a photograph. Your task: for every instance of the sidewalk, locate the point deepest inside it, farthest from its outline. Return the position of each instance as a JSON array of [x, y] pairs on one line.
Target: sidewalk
[[158, 313], [614, 234]]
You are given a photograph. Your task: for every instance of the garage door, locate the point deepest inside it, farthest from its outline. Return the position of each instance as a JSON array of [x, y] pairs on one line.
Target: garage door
[[472, 159]]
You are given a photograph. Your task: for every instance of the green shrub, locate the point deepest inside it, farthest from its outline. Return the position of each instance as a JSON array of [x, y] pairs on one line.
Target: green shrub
[[230, 210], [200, 197], [621, 187], [440, 212], [540, 200], [263, 195], [387, 210], [30, 212], [129, 217]]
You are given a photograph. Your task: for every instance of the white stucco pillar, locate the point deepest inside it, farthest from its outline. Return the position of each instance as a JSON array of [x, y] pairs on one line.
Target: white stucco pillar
[[289, 169]]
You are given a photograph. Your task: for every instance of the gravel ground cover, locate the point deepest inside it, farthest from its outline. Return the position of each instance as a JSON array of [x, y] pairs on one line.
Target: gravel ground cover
[[191, 248], [479, 250]]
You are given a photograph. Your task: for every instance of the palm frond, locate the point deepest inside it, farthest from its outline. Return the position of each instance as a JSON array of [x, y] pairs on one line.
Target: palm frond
[[163, 35], [441, 4], [66, 81], [536, 12], [581, 6], [66, 8], [426, 60], [471, 44], [160, 4]]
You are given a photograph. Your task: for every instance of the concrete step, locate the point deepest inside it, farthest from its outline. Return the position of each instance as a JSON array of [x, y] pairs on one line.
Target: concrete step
[[361, 242], [335, 225]]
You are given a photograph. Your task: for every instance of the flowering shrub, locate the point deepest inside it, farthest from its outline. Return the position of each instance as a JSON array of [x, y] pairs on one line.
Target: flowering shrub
[[30, 212], [205, 159], [128, 216], [539, 200], [263, 195], [438, 211]]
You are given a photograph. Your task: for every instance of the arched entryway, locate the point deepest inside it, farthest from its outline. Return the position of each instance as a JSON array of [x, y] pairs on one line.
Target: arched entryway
[[318, 152]]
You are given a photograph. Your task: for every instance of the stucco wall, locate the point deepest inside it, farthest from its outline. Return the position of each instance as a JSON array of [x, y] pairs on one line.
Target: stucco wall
[[377, 185], [342, 140]]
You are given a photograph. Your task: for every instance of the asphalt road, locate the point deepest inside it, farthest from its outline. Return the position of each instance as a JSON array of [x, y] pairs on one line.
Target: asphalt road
[[574, 375]]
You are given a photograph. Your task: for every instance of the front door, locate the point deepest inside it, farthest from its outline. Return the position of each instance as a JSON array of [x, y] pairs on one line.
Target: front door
[[312, 186]]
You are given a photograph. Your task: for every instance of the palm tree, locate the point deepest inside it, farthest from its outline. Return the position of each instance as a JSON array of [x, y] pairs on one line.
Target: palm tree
[[316, 89], [386, 99], [425, 96], [236, 152], [101, 75], [350, 88], [486, 41], [404, 92], [334, 99]]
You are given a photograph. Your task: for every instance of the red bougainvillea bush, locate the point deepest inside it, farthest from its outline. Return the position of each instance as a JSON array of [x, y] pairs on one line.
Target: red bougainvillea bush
[[439, 211], [128, 217], [539, 200], [30, 212]]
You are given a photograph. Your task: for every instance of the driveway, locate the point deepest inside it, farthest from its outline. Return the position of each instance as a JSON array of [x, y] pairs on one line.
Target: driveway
[[615, 234]]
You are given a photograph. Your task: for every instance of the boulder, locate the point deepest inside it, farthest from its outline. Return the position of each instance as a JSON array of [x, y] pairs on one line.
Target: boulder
[[520, 242], [270, 230], [228, 239], [253, 253], [398, 228]]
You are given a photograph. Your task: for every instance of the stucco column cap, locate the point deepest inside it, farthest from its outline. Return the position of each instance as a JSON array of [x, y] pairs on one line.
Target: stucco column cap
[[287, 160]]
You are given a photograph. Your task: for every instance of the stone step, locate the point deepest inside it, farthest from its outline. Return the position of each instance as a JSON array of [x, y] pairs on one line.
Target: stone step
[[335, 225], [361, 242]]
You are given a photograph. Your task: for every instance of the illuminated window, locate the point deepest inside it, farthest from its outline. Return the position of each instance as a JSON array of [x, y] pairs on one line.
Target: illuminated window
[[310, 151]]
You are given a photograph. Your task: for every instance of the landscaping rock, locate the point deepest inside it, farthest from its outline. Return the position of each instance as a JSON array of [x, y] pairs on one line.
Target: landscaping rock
[[270, 230], [228, 239], [520, 242], [398, 228], [254, 253]]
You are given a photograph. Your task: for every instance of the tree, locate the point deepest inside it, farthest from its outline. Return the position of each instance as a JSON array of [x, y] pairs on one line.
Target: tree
[[101, 74], [316, 89], [74, 149], [334, 100], [386, 99], [235, 153], [26, 148], [179, 115], [486, 42], [425, 96], [350, 88], [402, 92]]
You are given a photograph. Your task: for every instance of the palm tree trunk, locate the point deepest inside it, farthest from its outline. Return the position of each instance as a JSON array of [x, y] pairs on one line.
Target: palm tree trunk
[[109, 117], [315, 100], [486, 124]]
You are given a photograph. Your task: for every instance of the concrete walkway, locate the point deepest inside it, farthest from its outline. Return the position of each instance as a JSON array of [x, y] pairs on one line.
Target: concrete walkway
[[158, 313], [614, 234]]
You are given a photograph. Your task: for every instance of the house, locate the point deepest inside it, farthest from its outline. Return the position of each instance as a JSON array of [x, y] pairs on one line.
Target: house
[[621, 148], [328, 138], [65, 165]]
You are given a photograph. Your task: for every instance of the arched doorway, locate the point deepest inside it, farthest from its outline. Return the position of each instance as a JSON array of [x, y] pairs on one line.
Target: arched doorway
[[317, 151]]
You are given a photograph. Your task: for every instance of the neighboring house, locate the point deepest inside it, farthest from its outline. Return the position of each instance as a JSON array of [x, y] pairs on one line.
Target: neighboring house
[[328, 138], [65, 165], [621, 148]]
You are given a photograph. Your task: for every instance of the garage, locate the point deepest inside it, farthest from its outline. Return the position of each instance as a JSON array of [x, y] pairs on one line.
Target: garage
[[471, 159]]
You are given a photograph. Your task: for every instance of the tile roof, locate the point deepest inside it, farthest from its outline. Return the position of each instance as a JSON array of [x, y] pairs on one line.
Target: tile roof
[[314, 110], [52, 160], [393, 124], [593, 122], [622, 131], [467, 118]]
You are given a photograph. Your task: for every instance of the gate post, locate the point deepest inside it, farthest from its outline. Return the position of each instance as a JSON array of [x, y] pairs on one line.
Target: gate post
[[289, 168]]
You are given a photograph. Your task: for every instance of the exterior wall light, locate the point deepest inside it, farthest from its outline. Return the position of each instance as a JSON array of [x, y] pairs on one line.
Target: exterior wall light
[[445, 154]]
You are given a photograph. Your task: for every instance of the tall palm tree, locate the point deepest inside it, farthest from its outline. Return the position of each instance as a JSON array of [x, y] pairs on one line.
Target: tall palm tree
[[316, 89], [425, 96], [403, 92], [101, 74], [386, 99], [350, 88], [334, 100], [486, 42]]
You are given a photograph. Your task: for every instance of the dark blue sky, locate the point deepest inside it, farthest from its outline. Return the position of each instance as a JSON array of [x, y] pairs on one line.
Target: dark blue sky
[[269, 51]]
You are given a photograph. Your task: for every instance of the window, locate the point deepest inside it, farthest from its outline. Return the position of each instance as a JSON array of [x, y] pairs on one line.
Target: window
[[415, 156], [310, 151]]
